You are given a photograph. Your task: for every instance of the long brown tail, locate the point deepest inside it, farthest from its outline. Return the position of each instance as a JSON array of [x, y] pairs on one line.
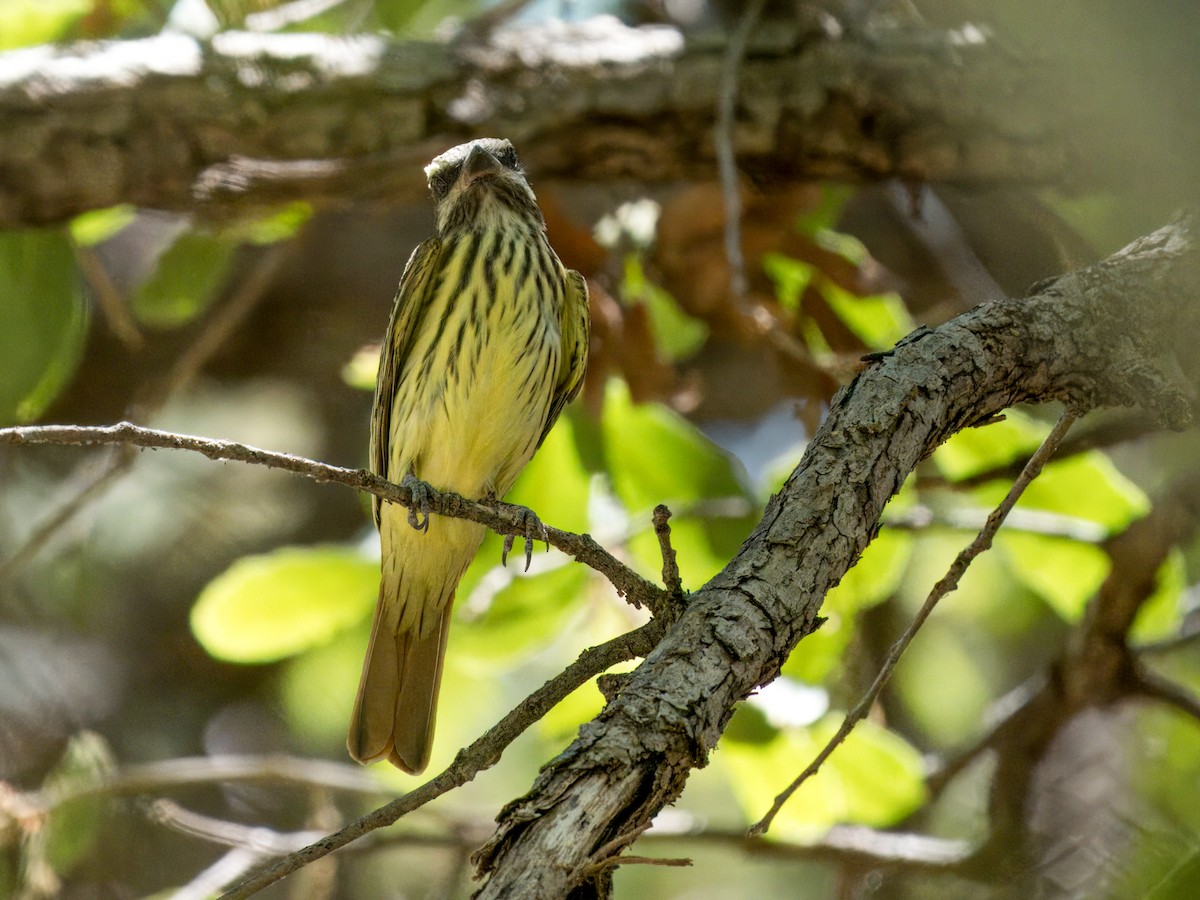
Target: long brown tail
[[396, 706]]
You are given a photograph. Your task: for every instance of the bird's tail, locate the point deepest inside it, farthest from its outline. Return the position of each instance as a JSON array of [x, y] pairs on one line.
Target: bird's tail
[[396, 705]]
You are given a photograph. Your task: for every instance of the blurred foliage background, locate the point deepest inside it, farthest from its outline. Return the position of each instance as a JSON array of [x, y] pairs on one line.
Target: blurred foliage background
[[156, 607]]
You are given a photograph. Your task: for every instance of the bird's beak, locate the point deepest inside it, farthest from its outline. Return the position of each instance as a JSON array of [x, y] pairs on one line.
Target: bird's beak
[[479, 163]]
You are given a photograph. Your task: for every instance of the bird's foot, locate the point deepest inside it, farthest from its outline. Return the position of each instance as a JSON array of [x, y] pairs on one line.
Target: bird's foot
[[420, 501], [533, 530]]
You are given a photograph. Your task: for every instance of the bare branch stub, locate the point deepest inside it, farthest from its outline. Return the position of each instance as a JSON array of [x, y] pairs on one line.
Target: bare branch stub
[[671, 578]]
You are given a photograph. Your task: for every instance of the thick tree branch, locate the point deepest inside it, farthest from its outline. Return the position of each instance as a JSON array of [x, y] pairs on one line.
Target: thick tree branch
[[171, 122], [1084, 340]]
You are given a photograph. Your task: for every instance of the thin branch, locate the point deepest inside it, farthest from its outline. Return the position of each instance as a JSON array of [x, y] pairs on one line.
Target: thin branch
[[1154, 686], [948, 583], [613, 861], [723, 143], [216, 330], [483, 753], [211, 337], [1188, 634], [1007, 713], [853, 845], [108, 298], [93, 484], [171, 774], [1030, 521], [503, 518], [608, 856], [254, 838]]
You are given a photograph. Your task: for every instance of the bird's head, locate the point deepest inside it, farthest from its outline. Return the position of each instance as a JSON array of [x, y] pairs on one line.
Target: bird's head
[[481, 185]]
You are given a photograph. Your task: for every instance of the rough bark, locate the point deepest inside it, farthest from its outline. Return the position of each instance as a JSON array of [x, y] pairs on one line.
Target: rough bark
[[1084, 339], [171, 122]]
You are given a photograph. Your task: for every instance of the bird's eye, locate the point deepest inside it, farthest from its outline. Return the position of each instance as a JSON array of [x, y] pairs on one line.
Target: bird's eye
[[441, 182], [508, 156]]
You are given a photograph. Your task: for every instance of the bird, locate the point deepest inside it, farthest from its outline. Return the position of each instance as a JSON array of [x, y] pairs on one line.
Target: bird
[[486, 344]]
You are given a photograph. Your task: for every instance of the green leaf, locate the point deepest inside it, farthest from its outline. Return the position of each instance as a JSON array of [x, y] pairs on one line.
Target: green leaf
[[98, 225], [873, 579], [874, 778], [975, 450], [362, 370], [655, 456], [819, 654], [828, 210], [879, 320], [555, 484], [1087, 486], [272, 227], [186, 279], [790, 277], [1065, 573], [1162, 614], [43, 321], [943, 682], [530, 612], [75, 826], [264, 608], [24, 23], [875, 576], [676, 334], [317, 689]]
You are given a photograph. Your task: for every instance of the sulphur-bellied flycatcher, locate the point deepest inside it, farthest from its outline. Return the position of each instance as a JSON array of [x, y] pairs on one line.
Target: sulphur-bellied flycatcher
[[487, 343]]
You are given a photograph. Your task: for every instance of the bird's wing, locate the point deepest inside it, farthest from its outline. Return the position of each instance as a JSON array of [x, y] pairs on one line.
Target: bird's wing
[[576, 330], [407, 310]]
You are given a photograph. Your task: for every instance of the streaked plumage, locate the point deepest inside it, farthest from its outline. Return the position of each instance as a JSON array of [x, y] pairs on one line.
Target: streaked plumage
[[487, 343]]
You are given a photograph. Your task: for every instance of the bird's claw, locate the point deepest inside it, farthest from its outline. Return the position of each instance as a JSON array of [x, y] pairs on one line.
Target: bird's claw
[[533, 529], [420, 502]]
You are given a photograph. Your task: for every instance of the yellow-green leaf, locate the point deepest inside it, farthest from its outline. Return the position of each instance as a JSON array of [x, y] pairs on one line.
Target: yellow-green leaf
[[874, 778], [975, 450], [264, 608], [1064, 572]]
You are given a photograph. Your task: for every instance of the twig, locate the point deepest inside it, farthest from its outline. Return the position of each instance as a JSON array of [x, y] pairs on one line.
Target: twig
[[672, 580], [94, 484], [1188, 634], [608, 856], [1154, 686], [948, 583], [258, 840], [210, 338], [216, 330], [108, 297], [503, 518], [723, 139], [1029, 521], [203, 770], [853, 845], [1005, 715], [613, 861], [483, 753]]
